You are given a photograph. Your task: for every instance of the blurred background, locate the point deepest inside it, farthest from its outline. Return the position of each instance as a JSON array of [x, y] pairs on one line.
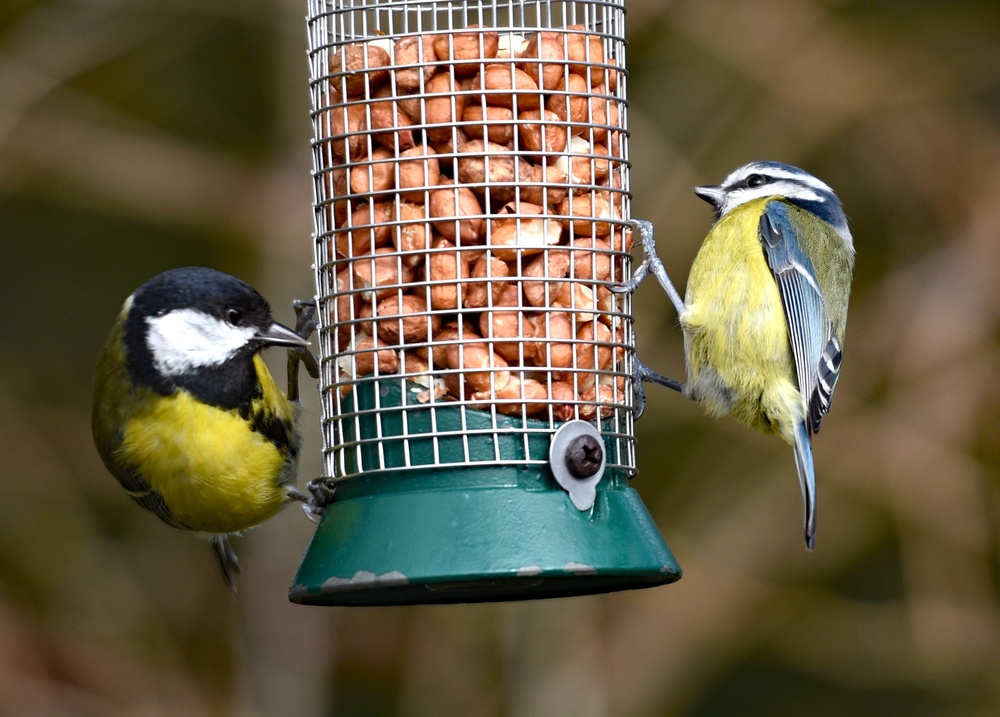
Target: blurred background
[[136, 136]]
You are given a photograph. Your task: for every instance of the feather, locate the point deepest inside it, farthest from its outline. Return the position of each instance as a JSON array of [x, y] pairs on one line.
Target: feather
[[810, 332]]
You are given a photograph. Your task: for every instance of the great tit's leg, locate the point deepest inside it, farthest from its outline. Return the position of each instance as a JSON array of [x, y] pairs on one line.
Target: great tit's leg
[[650, 263], [305, 324], [322, 490], [226, 558]]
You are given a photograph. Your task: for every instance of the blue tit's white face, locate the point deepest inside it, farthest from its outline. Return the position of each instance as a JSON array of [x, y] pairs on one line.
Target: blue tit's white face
[[187, 339], [769, 179]]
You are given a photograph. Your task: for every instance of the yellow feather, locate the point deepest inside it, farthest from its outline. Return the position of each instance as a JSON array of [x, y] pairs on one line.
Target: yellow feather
[[739, 358], [215, 473]]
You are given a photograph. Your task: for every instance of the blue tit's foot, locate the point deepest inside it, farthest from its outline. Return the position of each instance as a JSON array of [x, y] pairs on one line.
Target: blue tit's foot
[[641, 373], [322, 493], [650, 263], [226, 558], [305, 325]]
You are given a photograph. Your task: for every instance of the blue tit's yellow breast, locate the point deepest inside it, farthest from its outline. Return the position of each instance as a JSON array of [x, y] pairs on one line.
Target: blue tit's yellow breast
[[214, 472], [736, 340]]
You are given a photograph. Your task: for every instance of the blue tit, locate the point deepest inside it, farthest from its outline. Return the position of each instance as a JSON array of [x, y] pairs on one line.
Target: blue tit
[[765, 310], [186, 415]]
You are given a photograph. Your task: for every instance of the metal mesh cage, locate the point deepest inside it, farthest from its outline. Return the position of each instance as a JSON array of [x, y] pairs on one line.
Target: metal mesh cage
[[471, 196]]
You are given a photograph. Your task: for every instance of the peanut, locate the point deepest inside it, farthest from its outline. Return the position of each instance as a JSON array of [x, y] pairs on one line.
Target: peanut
[[369, 353], [498, 123], [583, 48], [478, 45], [376, 177], [456, 212], [445, 266], [413, 50], [493, 272], [368, 229], [547, 47], [364, 66], [508, 86], [412, 235], [548, 268], [405, 320], [419, 171], [442, 107], [539, 131], [385, 263]]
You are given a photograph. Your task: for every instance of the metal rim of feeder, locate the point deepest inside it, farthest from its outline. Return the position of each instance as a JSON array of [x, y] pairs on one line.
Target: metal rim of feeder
[[409, 418]]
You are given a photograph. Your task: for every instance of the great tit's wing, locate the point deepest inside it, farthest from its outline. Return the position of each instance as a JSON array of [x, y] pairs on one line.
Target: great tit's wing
[[151, 500], [815, 349]]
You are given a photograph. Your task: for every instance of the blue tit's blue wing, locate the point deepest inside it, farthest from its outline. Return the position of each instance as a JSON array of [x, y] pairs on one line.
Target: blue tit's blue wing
[[815, 349]]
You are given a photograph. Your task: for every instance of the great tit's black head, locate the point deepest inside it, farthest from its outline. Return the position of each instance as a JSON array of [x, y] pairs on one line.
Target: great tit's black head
[[199, 329], [774, 179]]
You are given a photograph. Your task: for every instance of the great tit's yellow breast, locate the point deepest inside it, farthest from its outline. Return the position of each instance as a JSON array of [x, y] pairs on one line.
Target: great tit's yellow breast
[[214, 472], [738, 354]]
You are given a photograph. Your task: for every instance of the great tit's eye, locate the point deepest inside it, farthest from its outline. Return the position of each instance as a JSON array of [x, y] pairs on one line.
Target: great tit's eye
[[756, 180], [234, 316]]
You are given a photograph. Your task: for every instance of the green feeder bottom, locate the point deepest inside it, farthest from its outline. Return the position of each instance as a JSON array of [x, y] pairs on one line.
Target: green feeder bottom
[[471, 534]]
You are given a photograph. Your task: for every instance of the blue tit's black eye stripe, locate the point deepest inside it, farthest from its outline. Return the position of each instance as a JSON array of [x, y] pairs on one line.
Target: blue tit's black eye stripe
[[756, 180]]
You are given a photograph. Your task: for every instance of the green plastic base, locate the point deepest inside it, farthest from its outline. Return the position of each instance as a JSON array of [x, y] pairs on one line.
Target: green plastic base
[[477, 534]]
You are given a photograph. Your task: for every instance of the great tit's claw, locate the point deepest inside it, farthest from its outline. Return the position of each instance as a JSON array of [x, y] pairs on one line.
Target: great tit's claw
[[314, 513], [322, 492], [305, 325]]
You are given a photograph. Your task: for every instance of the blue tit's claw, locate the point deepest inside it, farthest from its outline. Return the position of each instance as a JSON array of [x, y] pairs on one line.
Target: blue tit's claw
[[650, 264], [641, 373]]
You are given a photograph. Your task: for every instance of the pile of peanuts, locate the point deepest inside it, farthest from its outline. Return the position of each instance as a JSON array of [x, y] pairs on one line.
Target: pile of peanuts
[[471, 185]]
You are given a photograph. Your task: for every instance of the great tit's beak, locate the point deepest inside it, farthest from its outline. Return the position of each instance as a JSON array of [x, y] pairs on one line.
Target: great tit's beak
[[711, 193], [278, 335]]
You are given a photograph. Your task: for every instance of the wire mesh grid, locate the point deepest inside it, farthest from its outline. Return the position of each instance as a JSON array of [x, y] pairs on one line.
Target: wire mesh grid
[[471, 193]]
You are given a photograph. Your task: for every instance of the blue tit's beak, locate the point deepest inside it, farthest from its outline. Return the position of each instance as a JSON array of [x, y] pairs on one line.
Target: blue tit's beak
[[278, 335], [711, 193]]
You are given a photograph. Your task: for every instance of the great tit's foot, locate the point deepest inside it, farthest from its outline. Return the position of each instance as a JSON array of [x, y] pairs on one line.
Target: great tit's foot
[[650, 263], [305, 325], [641, 373], [226, 558], [322, 492]]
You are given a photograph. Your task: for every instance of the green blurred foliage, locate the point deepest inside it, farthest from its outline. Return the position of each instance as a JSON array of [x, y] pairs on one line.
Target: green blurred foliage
[[137, 136]]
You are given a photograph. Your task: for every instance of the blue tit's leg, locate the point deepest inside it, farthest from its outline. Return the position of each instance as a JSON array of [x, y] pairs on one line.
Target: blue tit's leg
[[226, 558], [305, 324], [322, 490], [650, 263]]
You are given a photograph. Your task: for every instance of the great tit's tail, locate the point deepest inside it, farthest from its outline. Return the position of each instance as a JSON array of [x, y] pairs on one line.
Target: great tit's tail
[[807, 480], [228, 564]]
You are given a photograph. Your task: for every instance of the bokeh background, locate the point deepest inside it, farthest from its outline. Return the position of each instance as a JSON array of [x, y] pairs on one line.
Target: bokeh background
[[137, 136]]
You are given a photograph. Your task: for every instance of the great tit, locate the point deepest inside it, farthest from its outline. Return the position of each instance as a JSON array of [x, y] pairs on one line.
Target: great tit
[[765, 310], [185, 413]]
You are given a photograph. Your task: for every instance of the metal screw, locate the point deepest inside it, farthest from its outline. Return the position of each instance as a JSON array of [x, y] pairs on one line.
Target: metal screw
[[584, 456]]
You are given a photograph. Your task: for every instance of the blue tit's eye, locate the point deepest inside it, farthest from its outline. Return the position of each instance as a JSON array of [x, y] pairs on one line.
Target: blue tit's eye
[[234, 316], [756, 180]]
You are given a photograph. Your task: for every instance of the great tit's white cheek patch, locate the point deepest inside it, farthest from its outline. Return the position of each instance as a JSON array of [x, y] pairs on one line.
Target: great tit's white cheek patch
[[186, 339]]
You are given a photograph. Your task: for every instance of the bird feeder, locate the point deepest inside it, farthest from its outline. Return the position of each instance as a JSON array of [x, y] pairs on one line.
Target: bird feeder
[[471, 220]]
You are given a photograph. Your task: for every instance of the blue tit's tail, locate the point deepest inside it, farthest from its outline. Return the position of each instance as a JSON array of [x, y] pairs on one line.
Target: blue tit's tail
[[807, 480]]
